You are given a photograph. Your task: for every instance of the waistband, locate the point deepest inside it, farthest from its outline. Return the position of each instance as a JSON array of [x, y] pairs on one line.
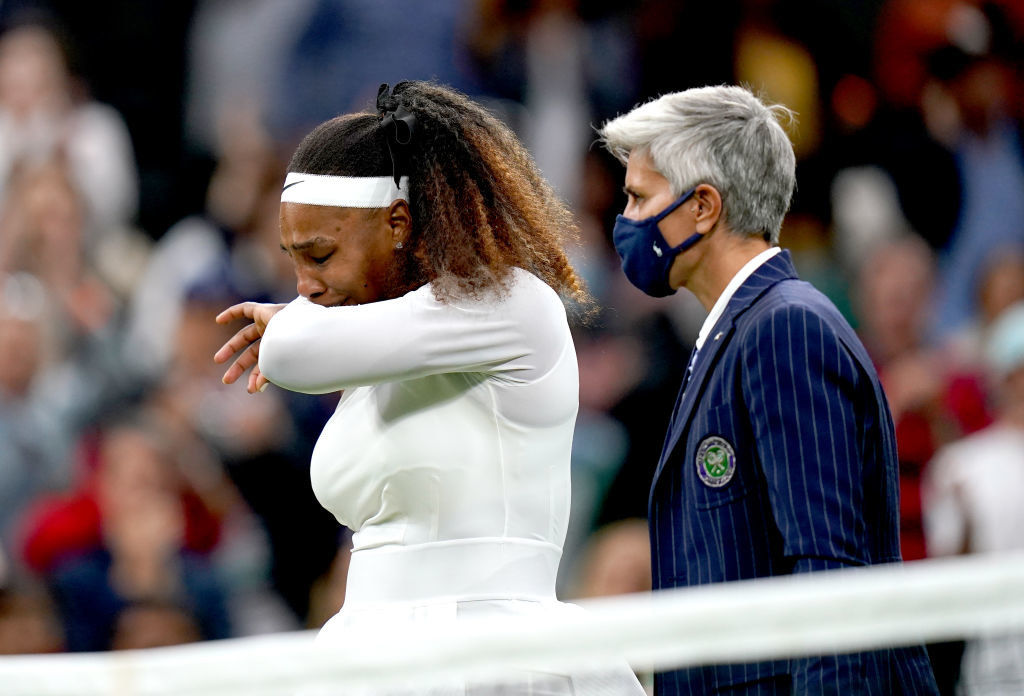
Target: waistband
[[493, 568]]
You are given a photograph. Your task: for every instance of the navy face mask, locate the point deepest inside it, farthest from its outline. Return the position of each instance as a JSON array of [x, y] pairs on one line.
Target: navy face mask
[[646, 256]]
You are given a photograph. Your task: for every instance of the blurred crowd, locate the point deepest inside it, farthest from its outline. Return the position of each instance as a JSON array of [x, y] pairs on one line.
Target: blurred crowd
[[142, 149]]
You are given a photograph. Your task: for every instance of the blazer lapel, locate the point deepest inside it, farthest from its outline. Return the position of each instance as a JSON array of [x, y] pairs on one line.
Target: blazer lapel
[[772, 271]]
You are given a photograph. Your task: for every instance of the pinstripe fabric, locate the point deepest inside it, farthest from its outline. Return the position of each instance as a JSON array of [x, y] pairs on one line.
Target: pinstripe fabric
[[789, 386]]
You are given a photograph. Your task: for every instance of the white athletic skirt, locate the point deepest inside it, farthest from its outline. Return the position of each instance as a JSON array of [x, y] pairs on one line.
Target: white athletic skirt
[[400, 592]]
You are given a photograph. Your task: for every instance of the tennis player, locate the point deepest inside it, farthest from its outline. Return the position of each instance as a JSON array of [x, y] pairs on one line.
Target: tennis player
[[432, 281]]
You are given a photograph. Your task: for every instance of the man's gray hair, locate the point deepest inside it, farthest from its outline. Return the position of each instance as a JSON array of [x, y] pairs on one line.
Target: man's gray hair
[[723, 136]]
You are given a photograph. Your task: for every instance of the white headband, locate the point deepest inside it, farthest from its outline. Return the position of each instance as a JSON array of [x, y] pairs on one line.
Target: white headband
[[344, 191]]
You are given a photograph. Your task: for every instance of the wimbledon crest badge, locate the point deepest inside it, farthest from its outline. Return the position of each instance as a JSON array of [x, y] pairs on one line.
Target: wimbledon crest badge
[[716, 461]]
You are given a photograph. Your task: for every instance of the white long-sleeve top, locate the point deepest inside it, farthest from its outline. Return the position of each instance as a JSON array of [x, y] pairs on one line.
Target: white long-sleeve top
[[448, 454], [972, 500], [972, 494]]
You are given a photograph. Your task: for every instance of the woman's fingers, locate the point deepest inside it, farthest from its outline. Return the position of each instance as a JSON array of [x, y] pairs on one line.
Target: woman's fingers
[[245, 343], [238, 311], [257, 382], [250, 334], [249, 358], [261, 382]]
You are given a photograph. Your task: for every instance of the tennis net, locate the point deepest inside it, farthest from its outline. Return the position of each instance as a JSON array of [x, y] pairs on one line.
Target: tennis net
[[831, 612]]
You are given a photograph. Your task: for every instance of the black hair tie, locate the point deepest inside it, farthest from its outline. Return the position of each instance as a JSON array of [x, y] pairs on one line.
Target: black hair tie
[[399, 125]]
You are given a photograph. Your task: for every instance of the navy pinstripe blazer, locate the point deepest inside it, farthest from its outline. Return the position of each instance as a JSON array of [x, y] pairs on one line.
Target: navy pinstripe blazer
[[780, 458]]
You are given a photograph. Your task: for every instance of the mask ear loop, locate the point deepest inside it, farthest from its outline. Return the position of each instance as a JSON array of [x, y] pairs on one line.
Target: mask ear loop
[[675, 204], [693, 238], [687, 243]]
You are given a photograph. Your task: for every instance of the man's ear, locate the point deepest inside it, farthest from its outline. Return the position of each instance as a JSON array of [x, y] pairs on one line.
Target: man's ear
[[400, 221], [707, 207]]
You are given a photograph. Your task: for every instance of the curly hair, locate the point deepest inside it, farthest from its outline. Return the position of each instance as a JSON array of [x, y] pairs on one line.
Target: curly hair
[[479, 205]]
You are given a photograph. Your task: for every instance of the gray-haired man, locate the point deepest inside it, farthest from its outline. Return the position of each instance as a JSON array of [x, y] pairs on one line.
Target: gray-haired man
[[780, 456]]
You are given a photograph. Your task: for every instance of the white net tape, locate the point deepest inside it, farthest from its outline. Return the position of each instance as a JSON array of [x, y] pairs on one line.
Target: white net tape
[[839, 611]]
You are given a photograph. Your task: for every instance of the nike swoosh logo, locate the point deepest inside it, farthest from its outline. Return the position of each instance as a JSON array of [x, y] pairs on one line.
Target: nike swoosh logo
[[292, 184]]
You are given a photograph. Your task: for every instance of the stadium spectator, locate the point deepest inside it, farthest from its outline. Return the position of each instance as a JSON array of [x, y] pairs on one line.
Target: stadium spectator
[[972, 495], [893, 292], [42, 117], [138, 536]]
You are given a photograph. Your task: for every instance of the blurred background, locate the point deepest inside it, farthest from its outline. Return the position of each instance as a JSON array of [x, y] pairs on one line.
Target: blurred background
[[142, 148]]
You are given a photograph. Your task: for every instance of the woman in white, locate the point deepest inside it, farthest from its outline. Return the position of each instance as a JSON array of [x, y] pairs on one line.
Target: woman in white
[[431, 275]]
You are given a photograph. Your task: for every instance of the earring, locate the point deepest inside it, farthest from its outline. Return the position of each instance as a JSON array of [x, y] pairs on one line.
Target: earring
[[399, 245]]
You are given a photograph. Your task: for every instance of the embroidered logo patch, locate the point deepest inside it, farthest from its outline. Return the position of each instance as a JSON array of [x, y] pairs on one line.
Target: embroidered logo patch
[[716, 461]]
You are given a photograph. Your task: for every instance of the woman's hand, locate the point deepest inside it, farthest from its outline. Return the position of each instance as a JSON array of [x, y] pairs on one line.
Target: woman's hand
[[245, 343]]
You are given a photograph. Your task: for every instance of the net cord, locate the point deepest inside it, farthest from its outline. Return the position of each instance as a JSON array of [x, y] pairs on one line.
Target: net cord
[[837, 611]]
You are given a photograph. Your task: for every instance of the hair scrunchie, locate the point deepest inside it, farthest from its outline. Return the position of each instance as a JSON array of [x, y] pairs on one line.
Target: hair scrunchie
[[399, 126]]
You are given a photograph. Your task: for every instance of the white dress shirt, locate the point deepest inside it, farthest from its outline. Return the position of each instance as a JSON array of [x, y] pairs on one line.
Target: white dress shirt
[[723, 300]]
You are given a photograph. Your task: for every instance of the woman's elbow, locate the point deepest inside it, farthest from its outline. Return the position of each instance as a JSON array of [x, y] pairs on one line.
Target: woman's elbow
[[275, 362], [286, 366]]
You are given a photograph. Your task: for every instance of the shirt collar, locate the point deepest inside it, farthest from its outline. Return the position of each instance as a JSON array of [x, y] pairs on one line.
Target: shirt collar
[[723, 300]]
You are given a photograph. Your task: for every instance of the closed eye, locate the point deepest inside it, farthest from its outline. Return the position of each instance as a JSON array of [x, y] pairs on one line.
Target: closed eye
[[320, 259]]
